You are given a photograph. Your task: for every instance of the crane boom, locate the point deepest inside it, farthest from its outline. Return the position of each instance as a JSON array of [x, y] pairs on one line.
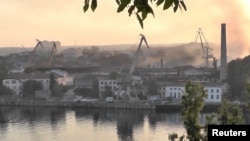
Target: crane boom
[[34, 51], [135, 60], [53, 51], [205, 47]]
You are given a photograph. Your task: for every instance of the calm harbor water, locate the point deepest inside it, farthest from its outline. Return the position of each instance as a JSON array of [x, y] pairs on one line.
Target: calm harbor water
[[54, 124]]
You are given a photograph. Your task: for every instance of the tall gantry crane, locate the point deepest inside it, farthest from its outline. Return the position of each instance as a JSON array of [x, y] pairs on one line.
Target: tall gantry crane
[[205, 47], [52, 53], [136, 55], [39, 43], [125, 80]]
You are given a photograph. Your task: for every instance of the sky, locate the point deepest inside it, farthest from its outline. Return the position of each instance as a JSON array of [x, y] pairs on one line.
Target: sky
[[24, 21]]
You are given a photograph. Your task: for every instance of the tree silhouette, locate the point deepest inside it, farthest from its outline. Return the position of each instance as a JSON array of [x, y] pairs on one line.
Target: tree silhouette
[[141, 8]]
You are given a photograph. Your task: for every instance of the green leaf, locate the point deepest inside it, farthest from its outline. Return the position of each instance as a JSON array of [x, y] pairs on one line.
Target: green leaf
[[144, 14], [118, 2], [140, 20], [86, 7], [183, 5], [167, 4], [93, 5], [131, 9], [159, 2], [150, 10], [86, 1], [123, 4], [176, 5]]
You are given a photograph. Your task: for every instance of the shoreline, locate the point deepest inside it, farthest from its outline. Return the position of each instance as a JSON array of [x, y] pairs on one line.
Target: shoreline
[[170, 107]]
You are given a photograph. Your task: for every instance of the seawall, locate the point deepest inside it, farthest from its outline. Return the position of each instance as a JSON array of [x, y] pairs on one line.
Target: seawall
[[104, 105]]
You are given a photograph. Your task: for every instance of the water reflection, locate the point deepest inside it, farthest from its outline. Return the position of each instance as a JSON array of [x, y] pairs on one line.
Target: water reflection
[[29, 124]]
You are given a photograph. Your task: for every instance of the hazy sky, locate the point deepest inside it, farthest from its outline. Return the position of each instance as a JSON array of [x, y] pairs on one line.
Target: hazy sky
[[23, 21]]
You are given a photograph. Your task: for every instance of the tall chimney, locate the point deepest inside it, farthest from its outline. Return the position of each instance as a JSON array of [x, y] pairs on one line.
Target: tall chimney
[[161, 63], [223, 63]]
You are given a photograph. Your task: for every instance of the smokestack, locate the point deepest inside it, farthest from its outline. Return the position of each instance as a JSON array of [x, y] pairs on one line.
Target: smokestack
[[161, 63], [223, 64]]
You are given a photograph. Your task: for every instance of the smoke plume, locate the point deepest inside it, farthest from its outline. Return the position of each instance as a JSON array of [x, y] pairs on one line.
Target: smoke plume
[[233, 14]]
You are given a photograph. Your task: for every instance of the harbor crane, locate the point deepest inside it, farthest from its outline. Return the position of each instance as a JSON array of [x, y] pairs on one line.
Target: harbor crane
[[125, 80], [205, 47], [39, 43], [52, 53]]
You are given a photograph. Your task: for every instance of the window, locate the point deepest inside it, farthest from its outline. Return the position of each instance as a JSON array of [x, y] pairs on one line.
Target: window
[[101, 82], [179, 88], [212, 90], [217, 90], [217, 96], [170, 94], [179, 95], [170, 88], [13, 81], [110, 82], [212, 96], [7, 82], [174, 88]]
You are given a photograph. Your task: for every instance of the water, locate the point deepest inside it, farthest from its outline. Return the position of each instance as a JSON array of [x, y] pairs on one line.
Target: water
[[53, 124]]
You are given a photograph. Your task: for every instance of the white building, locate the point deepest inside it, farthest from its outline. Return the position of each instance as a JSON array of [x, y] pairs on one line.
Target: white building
[[17, 70], [107, 82], [15, 81], [175, 90], [63, 78], [137, 80]]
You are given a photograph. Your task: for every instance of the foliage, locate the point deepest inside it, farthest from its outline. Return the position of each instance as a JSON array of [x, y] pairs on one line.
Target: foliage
[[113, 75], [172, 136], [3, 71], [29, 70], [141, 8], [58, 90], [95, 89], [30, 87], [84, 92], [141, 96], [193, 102], [227, 114], [230, 114], [52, 83], [248, 95], [5, 91], [238, 75], [152, 88], [89, 92], [108, 92]]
